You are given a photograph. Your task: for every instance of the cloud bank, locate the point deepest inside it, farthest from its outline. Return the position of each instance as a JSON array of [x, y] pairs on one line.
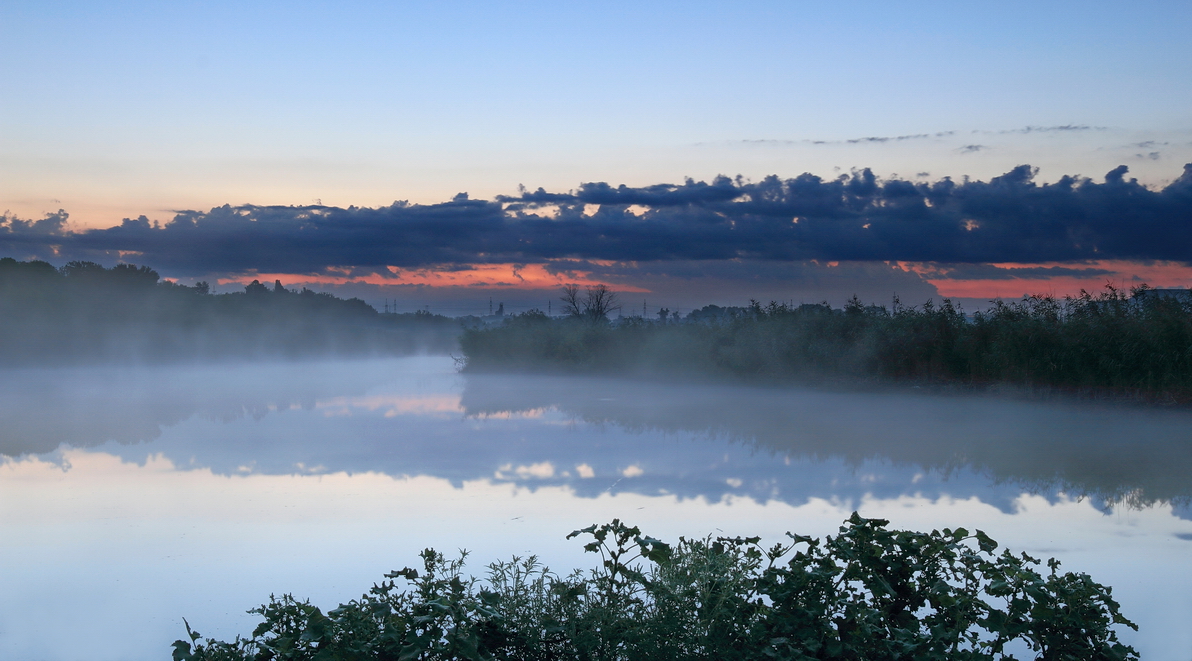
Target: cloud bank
[[855, 217]]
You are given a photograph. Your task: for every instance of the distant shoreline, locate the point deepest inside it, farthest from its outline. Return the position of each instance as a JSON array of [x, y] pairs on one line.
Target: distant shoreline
[[84, 313], [1113, 346]]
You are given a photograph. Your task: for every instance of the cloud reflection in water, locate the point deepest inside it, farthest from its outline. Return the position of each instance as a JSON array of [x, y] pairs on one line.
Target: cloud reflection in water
[[600, 436]]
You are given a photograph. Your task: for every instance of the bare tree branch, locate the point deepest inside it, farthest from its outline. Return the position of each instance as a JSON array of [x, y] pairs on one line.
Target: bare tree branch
[[599, 302], [596, 304], [571, 303]]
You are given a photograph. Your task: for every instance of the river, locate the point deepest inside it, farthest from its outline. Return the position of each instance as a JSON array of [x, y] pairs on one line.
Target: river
[[131, 498]]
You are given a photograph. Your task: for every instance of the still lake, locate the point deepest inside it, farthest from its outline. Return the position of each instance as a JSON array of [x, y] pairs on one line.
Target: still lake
[[133, 497]]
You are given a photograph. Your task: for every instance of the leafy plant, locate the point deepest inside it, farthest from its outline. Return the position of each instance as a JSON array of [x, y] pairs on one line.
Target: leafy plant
[[866, 593]]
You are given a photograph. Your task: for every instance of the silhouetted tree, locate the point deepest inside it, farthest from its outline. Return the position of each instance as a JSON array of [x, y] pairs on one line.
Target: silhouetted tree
[[570, 298], [596, 304], [78, 271], [129, 275], [599, 302]]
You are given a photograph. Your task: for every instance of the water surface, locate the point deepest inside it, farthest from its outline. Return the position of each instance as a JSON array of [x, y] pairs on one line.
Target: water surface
[[131, 498]]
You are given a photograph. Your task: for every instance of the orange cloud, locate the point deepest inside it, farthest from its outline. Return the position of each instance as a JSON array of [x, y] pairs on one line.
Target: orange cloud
[[478, 276], [1121, 273]]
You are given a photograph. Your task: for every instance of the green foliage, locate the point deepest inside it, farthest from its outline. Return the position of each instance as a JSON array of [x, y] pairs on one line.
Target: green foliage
[[866, 593], [1110, 342]]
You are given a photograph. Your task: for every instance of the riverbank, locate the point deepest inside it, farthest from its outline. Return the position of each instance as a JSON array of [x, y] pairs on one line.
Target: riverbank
[[1111, 345]]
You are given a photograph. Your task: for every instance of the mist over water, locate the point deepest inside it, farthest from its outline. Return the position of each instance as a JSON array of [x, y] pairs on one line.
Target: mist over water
[[156, 493]]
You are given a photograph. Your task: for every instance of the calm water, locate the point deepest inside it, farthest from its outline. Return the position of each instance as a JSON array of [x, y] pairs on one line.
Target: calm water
[[131, 498]]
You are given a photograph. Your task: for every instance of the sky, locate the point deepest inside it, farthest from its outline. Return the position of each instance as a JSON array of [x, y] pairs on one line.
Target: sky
[[444, 154]]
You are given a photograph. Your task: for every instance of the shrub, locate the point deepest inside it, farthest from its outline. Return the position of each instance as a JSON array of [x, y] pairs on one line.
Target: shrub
[[866, 593]]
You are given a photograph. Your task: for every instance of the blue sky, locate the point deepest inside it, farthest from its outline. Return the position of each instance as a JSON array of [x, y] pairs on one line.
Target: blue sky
[[114, 110]]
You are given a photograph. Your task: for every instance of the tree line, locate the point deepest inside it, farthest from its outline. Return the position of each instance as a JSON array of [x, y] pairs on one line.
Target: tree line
[[83, 312], [1110, 342]]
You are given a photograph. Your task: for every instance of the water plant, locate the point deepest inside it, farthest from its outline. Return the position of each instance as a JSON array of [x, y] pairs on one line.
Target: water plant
[[866, 593]]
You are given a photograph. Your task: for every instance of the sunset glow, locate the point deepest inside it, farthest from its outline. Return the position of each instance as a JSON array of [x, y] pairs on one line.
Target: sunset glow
[[1120, 274], [478, 276]]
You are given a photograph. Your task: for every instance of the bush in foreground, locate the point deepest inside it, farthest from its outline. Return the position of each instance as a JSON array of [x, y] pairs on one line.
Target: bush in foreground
[[867, 593]]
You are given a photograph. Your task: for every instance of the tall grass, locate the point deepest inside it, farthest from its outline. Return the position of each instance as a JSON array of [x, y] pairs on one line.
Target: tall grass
[[1108, 342]]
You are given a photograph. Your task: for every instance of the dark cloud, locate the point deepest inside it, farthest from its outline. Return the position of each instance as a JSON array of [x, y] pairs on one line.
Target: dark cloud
[[876, 139], [1063, 128], [897, 138], [991, 272], [17, 231], [722, 189], [854, 217], [970, 149]]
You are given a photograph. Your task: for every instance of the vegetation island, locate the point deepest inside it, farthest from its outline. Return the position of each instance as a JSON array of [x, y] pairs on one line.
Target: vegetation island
[[1112, 343]]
